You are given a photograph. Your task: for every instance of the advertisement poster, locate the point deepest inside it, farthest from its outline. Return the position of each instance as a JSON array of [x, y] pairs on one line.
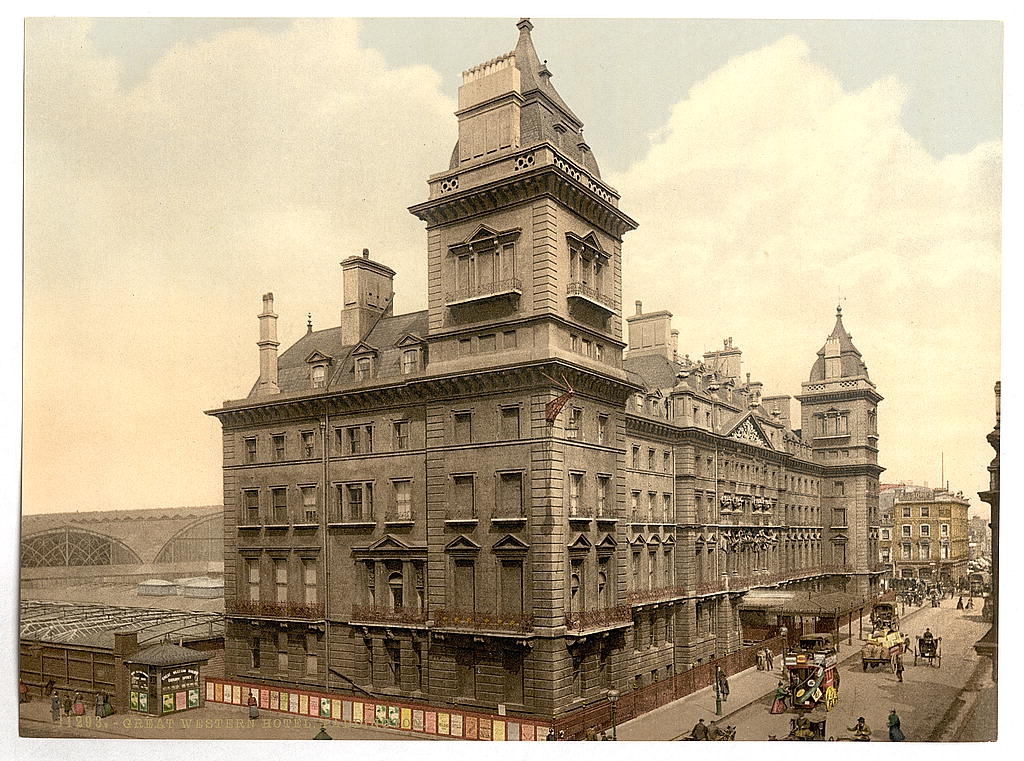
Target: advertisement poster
[[293, 702], [498, 730], [133, 701], [264, 698], [471, 727], [528, 731], [193, 697], [442, 724], [168, 704], [417, 721], [219, 693], [210, 691], [392, 716], [143, 701], [484, 729], [381, 716], [430, 722], [369, 710], [180, 700], [357, 713], [456, 725], [325, 708], [406, 718], [304, 704]]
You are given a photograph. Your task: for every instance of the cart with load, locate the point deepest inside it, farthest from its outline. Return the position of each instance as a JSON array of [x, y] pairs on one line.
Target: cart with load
[[881, 649], [884, 616]]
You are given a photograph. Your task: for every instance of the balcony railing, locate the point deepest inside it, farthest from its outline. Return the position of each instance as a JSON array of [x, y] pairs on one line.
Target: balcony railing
[[594, 619], [275, 609], [511, 287], [584, 291], [379, 614], [459, 619], [639, 596]]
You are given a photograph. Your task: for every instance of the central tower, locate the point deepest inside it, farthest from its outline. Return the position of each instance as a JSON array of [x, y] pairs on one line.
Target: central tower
[[524, 238]]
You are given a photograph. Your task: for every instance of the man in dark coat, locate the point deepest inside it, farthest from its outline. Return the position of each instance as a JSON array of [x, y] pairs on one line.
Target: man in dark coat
[[699, 731], [723, 683]]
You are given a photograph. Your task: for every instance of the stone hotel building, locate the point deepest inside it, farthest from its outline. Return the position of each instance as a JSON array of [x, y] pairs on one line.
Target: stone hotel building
[[498, 501]]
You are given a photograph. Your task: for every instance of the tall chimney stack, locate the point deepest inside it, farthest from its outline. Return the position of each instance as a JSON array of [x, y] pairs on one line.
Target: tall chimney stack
[[268, 344]]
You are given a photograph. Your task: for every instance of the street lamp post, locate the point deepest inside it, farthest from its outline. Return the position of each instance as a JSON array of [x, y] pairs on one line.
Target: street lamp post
[[718, 695], [613, 698]]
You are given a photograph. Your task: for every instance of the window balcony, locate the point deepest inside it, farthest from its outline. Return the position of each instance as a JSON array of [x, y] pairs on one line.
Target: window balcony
[[511, 288], [589, 294], [475, 621], [659, 594], [603, 618], [376, 614], [258, 609]]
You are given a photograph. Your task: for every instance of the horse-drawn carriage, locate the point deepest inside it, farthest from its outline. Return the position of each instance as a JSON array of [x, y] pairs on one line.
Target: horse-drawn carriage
[[813, 673], [884, 617], [881, 649], [929, 649]]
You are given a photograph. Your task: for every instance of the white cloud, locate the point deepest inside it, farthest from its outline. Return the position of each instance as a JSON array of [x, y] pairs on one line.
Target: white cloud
[[772, 191], [157, 215]]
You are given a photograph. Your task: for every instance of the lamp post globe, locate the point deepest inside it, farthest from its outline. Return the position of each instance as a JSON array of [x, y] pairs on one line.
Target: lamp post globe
[[613, 697]]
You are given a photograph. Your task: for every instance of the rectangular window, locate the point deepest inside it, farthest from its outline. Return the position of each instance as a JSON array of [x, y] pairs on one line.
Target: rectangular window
[[575, 424], [309, 582], [465, 674], [650, 459], [602, 496], [666, 507], [463, 427], [464, 589], [634, 504], [488, 343], [839, 517], [598, 351], [926, 529], [510, 495], [282, 652], [255, 653], [278, 447], [402, 508], [925, 511], [587, 347], [944, 551], [281, 580], [363, 369], [574, 342], [309, 507], [311, 660], [410, 361], [636, 457], [666, 462], [400, 431], [944, 529], [905, 550], [250, 450], [509, 423], [394, 656], [251, 500], [279, 497], [463, 503], [905, 530], [575, 487], [319, 374], [308, 444], [839, 489], [651, 500], [602, 429], [906, 512], [508, 339], [512, 586], [465, 347], [358, 502], [253, 570], [358, 439]]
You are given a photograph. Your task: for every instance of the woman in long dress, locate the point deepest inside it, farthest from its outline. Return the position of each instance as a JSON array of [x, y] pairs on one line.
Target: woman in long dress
[[895, 732]]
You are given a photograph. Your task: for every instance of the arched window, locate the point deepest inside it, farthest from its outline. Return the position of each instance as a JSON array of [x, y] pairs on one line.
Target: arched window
[[395, 585], [363, 368], [410, 361], [319, 376]]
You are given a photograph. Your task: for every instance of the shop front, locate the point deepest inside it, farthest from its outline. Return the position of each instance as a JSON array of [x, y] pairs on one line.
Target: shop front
[[164, 678]]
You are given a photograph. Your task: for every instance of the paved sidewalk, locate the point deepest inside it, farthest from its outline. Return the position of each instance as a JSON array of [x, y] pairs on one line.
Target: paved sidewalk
[[675, 719]]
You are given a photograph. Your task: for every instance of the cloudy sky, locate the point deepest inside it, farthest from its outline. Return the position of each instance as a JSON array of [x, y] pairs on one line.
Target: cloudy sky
[[176, 170]]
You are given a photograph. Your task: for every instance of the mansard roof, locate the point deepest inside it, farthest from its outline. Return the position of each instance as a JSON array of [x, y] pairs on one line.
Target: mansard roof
[[293, 364]]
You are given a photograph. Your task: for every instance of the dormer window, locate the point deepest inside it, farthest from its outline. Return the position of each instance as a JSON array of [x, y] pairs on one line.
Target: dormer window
[[319, 376], [410, 361], [318, 363], [363, 368]]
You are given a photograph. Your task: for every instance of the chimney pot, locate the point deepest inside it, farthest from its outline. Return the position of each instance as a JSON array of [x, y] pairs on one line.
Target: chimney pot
[[639, 307], [366, 253]]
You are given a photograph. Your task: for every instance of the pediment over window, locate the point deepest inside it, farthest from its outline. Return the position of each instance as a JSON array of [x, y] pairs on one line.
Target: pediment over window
[[654, 539], [840, 539], [580, 543], [319, 358], [668, 540], [589, 243], [462, 543], [638, 541], [510, 543], [750, 431], [410, 340], [484, 239], [606, 541], [364, 349], [389, 544]]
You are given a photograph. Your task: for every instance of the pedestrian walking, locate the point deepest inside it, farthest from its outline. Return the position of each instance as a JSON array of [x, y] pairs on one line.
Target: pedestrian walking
[[55, 706], [79, 705], [99, 705], [254, 710], [723, 683], [67, 704], [769, 656], [781, 694], [761, 662], [960, 603], [699, 731], [898, 667], [895, 731]]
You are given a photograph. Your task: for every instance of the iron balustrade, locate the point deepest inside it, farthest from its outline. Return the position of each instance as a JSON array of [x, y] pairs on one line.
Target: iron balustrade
[[468, 619], [590, 293], [592, 619], [381, 614], [485, 290], [276, 609]]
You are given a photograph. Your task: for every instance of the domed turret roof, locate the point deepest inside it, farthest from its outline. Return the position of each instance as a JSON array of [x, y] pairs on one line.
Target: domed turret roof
[[839, 343]]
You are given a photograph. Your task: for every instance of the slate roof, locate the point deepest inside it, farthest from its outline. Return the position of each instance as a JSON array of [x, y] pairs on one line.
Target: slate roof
[[167, 654], [293, 371], [849, 358]]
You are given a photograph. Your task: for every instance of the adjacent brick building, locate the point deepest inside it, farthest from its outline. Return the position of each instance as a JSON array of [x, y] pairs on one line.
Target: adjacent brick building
[[925, 536], [492, 503]]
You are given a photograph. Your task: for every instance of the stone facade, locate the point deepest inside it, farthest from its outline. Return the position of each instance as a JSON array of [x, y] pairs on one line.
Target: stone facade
[[926, 535], [491, 504]]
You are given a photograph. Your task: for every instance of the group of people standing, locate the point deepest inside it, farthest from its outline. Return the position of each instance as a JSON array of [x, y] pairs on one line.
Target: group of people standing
[[65, 705]]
